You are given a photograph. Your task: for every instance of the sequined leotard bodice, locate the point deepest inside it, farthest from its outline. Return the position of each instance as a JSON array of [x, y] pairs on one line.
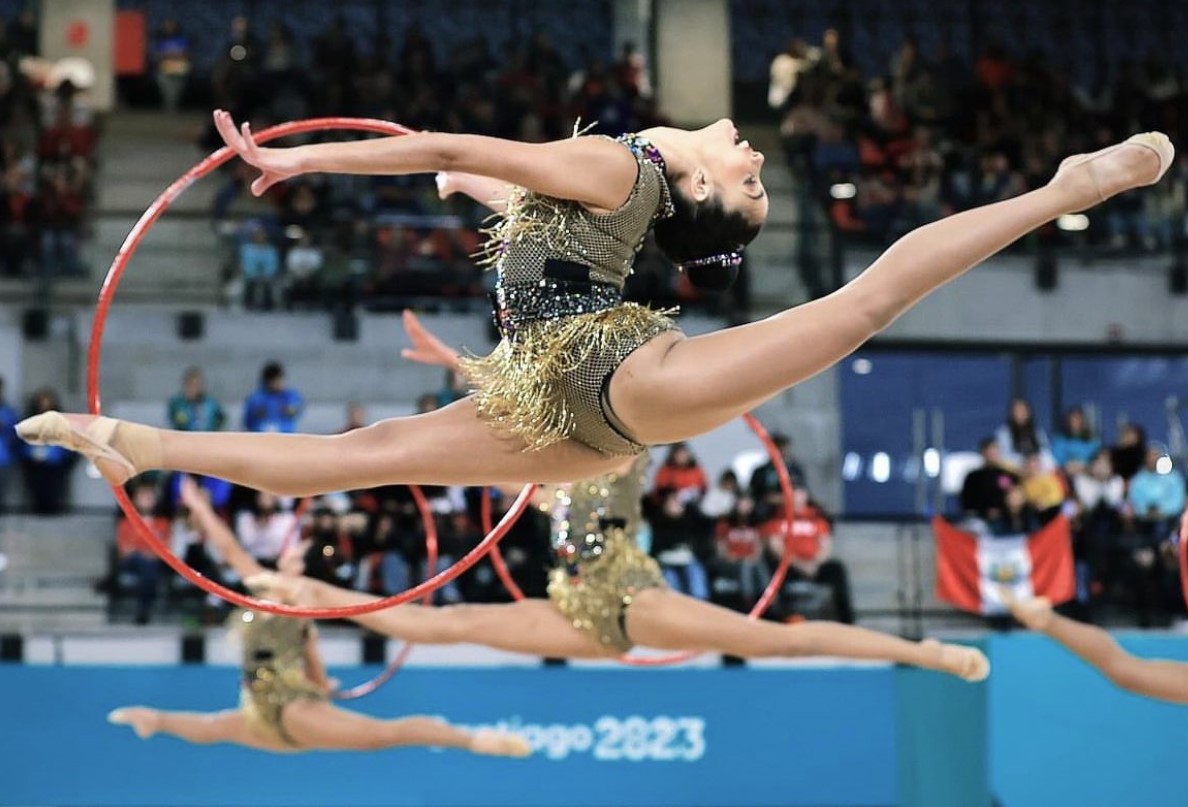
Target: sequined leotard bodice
[[273, 669], [558, 305], [600, 567]]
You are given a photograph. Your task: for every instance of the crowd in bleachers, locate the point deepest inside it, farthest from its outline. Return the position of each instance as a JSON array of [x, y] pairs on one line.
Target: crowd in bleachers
[[47, 159], [385, 241], [720, 542], [1124, 502], [931, 135]]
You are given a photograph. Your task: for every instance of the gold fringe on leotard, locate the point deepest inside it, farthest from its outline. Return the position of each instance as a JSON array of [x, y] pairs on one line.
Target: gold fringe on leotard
[[534, 382]]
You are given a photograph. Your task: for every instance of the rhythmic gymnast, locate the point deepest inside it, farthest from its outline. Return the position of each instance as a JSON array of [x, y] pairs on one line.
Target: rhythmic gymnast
[[581, 379], [284, 702], [606, 594], [1155, 678]]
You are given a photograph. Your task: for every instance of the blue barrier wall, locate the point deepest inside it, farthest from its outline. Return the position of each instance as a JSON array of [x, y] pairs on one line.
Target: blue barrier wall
[[1046, 731], [607, 737], [1060, 734]]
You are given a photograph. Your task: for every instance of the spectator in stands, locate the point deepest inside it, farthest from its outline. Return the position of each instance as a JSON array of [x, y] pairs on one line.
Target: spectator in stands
[[740, 569], [765, 481], [454, 388], [273, 407], [1097, 486], [138, 566], [260, 267], [330, 556], [1100, 497], [681, 473], [721, 499], [984, 491], [1044, 489], [171, 53], [18, 210], [60, 203], [428, 402], [266, 530], [193, 409], [9, 447], [46, 469], [1130, 452], [356, 417], [680, 538], [1148, 556], [1074, 445], [813, 570], [1018, 517], [303, 272], [1019, 436], [1157, 493], [786, 68]]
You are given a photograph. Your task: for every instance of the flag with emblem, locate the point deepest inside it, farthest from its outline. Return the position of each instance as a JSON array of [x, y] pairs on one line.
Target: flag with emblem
[[972, 570]]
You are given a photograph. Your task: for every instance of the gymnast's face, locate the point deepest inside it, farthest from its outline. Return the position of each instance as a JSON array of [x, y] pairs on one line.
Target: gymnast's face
[[729, 169]]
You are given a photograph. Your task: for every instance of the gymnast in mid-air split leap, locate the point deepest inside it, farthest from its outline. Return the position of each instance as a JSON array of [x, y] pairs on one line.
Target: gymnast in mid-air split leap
[[285, 698], [581, 379], [606, 594]]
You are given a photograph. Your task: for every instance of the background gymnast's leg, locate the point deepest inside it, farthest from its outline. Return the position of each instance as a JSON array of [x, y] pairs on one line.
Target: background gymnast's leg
[[671, 621], [533, 627], [201, 728], [321, 725]]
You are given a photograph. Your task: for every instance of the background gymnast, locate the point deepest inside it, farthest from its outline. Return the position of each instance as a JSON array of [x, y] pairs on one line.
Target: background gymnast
[[284, 700], [580, 376]]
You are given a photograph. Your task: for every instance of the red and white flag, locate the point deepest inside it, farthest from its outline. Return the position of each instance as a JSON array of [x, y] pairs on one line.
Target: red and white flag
[[971, 570]]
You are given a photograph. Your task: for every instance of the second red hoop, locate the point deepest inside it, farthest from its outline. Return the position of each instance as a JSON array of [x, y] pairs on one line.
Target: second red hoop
[[94, 357]]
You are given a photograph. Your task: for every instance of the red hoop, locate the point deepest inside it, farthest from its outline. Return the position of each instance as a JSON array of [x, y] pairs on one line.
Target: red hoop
[[94, 356], [1183, 555], [395, 664], [765, 600]]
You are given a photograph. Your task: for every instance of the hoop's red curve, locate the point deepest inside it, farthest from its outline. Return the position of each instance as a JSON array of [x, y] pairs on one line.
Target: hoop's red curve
[[94, 358], [395, 664], [1184, 565], [765, 600]]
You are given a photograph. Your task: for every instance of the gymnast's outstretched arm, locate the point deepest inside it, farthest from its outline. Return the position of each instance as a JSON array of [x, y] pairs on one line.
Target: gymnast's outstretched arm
[[1154, 678], [217, 531], [592, 170]]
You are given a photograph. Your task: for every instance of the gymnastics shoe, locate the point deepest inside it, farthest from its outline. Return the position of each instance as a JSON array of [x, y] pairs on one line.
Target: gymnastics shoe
[[499, 744], [967, 663], [94, 437], [143, 721], [1129, 168]]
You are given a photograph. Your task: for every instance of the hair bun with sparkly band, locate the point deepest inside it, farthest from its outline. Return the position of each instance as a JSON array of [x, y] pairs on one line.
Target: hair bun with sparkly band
[[714, 272]]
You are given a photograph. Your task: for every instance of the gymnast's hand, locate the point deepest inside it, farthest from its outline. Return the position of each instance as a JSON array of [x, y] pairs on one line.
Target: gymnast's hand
[[276, 165], [426, 348]]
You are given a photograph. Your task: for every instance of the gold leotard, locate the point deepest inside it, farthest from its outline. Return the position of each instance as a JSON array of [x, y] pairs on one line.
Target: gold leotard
[[600, 566], [273, 670], [560, 310]]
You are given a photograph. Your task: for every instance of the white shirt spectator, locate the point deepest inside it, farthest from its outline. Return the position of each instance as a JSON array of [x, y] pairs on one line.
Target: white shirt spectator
[[264, 539], [1092, 491]]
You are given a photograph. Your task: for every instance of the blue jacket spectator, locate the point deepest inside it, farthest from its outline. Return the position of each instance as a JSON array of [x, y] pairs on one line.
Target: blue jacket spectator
[[193, 410], [9, 446], [272, 407], [1074, 444], [46, 468], [1156, 495]]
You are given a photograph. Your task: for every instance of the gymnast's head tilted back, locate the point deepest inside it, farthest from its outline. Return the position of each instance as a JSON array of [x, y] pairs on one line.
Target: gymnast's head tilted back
[[719, 202]]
